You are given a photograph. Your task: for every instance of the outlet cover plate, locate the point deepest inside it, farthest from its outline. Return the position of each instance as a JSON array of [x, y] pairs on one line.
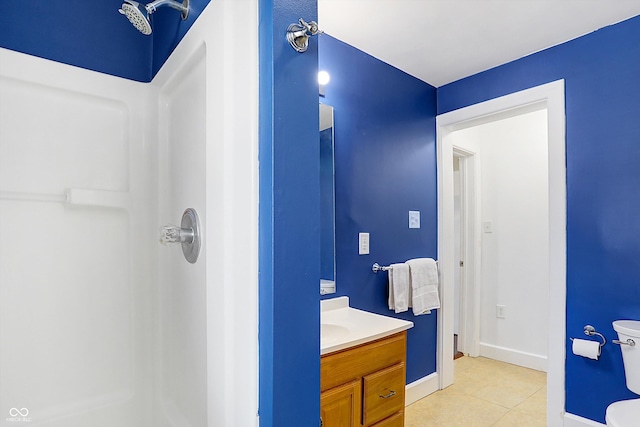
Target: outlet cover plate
[[414, 219], [363, 243]]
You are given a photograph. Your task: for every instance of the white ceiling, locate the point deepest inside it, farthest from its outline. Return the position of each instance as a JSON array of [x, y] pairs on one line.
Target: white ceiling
[[440, 41]]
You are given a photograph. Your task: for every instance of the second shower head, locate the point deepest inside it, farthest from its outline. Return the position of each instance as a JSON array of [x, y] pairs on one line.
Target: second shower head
[[139, 15]]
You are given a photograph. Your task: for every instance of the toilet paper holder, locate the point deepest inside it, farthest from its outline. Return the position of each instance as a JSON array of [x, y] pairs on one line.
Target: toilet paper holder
[[591, 331]]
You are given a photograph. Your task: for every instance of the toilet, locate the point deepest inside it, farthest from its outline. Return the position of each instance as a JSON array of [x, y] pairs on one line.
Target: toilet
[[625, 413]]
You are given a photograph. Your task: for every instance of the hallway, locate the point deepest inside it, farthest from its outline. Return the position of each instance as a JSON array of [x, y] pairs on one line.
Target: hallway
[[485, 393]]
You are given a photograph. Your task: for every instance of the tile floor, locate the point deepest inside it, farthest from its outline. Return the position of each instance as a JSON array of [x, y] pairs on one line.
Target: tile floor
[[485, 393]]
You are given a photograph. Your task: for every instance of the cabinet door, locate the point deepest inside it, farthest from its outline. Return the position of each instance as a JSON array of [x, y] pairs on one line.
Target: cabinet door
[[341, 406]]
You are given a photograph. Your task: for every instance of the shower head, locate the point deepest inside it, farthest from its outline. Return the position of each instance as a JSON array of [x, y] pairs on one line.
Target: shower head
[[139, 14]]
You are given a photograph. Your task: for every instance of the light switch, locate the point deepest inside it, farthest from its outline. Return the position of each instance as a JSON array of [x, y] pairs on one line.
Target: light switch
[[363, 243], [414, 219], [487, 226]]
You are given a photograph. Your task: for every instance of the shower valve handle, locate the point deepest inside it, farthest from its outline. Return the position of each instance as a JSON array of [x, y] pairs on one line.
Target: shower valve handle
[[170, 234], [188, 235]]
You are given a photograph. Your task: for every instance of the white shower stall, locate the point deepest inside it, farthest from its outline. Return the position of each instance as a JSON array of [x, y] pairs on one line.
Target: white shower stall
[[100, 325]]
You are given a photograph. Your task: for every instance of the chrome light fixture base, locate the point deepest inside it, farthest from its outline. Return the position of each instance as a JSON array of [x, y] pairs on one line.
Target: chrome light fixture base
[[298, 34]]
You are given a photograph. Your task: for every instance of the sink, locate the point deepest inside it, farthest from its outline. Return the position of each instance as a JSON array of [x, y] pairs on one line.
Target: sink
[[342, 326], [330, 333]]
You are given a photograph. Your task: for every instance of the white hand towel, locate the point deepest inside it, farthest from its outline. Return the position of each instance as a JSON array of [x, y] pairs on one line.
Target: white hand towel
[[423, 274], [399, 290]]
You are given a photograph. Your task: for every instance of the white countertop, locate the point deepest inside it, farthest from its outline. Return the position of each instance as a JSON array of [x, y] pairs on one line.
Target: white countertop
[[342, 326]]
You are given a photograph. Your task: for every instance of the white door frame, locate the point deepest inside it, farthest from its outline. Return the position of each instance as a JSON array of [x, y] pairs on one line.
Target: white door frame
[[552, 95]]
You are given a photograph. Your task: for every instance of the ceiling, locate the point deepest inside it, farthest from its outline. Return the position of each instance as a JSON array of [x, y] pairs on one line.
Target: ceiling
[[440, 41]]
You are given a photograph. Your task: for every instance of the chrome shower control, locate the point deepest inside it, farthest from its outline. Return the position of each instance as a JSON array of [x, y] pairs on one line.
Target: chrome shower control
[[188, 235], [174, 234]]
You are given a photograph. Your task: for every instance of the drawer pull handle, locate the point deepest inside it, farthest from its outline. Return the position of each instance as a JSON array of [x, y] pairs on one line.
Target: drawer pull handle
[[391, 394]]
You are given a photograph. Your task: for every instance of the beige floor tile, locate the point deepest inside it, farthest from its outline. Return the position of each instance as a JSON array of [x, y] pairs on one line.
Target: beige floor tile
[[508, 392], [471, 380], [485, 393], [453, 410], [541, 393], [529, 375], [535, 406], [485, 362], [493, 368], [439, 401], [463, 363], [518, 419]]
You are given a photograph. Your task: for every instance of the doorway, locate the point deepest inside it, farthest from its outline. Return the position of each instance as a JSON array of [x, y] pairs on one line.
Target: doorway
[[509, 291], [551, 97]]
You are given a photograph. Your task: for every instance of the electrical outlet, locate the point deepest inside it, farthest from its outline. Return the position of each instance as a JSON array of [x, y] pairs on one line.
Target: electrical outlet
[[500, 311]]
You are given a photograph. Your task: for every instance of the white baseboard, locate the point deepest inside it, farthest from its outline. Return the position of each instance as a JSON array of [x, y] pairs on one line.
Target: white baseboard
[[571, 420], [516, 357], [421, 388]]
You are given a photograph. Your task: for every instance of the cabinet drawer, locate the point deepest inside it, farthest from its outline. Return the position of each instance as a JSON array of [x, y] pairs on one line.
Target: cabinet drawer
[[396, 420], [383, 393], [348, 365]]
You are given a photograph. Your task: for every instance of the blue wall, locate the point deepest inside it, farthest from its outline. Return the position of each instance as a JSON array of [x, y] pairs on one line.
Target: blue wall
[[93, 35], [289, 232], [602, 77], [385, 166]]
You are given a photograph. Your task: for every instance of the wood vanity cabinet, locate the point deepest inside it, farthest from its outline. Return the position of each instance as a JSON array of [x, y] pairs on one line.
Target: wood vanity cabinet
[[364, 385]]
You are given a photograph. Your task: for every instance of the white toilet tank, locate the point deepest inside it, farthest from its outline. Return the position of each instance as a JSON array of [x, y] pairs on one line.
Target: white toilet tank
[[630, 330]]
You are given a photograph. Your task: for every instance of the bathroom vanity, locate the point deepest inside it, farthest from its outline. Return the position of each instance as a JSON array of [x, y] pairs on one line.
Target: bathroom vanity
[[362, 367]]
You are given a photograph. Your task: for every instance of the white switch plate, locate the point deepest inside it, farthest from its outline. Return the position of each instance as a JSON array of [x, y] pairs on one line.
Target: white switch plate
[[487, 226], [414, 219], [500, 311], [363, 243]]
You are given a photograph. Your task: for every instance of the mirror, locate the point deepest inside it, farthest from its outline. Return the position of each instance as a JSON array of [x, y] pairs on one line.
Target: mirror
[[327, 203]]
